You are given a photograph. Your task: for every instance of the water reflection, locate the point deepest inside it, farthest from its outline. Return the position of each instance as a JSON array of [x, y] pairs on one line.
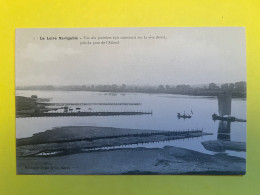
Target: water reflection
[[224, 143], [163, 118], [224, 130]]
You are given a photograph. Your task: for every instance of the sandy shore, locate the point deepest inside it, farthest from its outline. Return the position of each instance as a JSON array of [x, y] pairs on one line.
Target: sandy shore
[[167, 160], [221, 146], [68, 150]]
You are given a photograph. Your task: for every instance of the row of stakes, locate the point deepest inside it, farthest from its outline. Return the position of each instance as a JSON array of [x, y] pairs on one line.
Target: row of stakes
[[107, 147], [185, 133], [140, 143], [80, 114], [88, 104], [166, 133]]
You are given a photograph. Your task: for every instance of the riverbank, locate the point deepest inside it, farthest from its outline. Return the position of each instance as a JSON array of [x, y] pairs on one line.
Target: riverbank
[[86, 150], [221, 146], [27, 106], [77, 139], [237, 89], [132, 161], [92, 113], [39, 107]]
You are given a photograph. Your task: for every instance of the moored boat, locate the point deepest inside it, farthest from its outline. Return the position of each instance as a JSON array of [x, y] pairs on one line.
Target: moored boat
[[223, 118]]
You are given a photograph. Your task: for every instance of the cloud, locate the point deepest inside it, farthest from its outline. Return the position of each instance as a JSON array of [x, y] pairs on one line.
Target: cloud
[[48, 53]]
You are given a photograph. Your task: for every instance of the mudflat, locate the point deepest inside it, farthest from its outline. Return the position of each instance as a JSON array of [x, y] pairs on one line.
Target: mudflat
[[86, 150], [74, 139], [167, 160]]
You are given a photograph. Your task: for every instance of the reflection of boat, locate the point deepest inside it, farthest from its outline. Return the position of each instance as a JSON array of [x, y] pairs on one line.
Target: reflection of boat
[[183, 116], [224, 128], [223, 141], [224, 109]]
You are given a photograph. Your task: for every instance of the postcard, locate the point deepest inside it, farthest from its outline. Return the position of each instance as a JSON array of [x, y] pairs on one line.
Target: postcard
[[130, 101]]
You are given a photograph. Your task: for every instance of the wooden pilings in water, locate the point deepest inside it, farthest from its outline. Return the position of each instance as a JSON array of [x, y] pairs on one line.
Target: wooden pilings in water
[[91, 113], [91, 104], [148, 137]]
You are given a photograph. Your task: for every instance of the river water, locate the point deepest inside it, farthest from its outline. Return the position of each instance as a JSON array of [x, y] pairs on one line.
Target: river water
[[164, 109]]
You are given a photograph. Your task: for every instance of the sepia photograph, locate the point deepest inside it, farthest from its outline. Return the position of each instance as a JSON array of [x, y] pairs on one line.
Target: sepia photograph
[[131, 101]]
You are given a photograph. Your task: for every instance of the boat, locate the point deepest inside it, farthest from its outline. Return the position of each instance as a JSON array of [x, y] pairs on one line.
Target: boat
[[223, 118], [183, 116], [224, 108]]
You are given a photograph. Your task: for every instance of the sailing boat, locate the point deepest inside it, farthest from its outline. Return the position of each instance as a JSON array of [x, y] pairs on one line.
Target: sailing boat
[[183, 116], [224, 107]]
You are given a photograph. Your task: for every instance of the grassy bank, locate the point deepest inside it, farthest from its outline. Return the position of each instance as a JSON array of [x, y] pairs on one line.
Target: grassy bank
[[26, 106]]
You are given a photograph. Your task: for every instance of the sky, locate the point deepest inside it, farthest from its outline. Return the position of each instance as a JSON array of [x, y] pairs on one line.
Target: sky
[[185, 56]]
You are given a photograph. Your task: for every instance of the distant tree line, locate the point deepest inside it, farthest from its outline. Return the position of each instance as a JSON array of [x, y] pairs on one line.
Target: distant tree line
[[238, 89]]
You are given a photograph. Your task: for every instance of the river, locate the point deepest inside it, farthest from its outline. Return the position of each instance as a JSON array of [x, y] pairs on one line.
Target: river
[[164, 109]]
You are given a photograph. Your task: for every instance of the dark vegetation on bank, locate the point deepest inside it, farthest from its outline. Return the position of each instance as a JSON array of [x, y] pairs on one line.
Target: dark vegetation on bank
[[238, 89], [26, 106], [27, 103]]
